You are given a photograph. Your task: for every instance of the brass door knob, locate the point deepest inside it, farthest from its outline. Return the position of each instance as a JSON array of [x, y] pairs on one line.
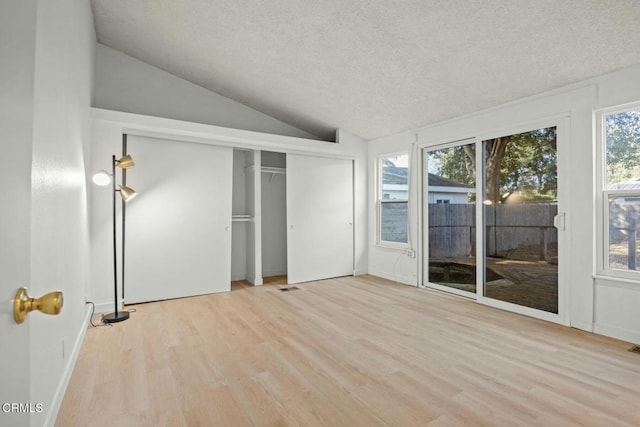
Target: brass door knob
[[23, 304]]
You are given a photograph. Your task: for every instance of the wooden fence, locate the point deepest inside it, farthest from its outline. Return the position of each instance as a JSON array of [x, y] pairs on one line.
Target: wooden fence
[[624, 221], [509, 227]]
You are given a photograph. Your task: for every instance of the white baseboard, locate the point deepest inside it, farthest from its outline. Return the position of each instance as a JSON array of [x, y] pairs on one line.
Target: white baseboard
[[617, 332], [56, 402], [360, 272], [404, 280], [104, 307], [256, 282], [585, 326]]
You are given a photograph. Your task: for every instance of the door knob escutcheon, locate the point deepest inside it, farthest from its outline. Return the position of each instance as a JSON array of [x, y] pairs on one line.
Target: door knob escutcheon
[[23, 304]]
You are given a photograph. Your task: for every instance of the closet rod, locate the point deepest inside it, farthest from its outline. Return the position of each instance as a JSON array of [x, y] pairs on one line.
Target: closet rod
[[273, 172], [267, 169]]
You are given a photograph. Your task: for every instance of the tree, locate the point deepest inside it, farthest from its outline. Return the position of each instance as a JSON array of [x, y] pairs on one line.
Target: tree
[[495, 150], [622, 141], [524, 162], [457, 163]]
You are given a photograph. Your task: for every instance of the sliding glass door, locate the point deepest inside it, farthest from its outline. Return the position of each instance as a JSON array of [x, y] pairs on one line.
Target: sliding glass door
[[497, 241], [520, 203], [449, 207]]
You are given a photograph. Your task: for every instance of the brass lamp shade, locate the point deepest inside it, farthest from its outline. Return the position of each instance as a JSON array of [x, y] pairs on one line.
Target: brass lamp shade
[[125, 162], [127, 193]]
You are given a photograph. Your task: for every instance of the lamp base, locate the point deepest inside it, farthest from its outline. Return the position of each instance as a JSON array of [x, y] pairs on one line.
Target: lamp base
[[115, 317]]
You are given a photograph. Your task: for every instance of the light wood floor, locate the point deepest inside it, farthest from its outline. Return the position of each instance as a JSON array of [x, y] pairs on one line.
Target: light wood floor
[[347, 352], [271, 280]]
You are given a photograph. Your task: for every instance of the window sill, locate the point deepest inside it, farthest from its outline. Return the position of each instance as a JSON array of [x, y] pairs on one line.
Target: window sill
[[610, 277]]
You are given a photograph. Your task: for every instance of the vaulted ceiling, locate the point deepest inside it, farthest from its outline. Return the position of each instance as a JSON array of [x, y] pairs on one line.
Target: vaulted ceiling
[[374, 67]]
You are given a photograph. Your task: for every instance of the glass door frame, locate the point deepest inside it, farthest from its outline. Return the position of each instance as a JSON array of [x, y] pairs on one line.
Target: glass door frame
[[562, 124], [423, 214]]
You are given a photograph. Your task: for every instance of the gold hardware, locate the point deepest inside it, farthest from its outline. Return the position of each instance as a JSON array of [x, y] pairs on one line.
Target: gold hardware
[[127, 193], [23, 304], [125, 162]]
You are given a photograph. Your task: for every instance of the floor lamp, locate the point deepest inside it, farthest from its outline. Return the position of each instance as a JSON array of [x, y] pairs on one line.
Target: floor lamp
[[103, 178]]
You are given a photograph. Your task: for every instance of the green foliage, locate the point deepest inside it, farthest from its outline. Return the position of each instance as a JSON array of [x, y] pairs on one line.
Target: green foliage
[[527, 167], [535, 197], [622, 140], [530, 163], [454, 164]]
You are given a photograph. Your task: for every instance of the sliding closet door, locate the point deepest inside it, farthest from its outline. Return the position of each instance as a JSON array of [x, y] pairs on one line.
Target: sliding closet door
[[178, 240], [319, 218]]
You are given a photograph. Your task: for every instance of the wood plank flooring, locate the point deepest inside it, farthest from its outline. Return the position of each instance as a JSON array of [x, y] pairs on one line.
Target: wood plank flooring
[[271, 280], [357, 351]]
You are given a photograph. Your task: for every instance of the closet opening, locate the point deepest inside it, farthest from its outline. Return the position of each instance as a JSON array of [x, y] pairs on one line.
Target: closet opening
[[243, 220], [273, 199]]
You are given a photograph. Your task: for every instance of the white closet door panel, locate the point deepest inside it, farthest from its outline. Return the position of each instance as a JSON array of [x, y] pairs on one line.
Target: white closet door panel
[[178, 240], [319, 218]]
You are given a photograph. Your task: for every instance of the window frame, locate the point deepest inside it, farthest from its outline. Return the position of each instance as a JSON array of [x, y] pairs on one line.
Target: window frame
[[603, 268], [380, 200]]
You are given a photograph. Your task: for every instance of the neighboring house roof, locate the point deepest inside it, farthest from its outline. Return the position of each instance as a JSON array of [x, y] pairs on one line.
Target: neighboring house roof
[[398, 175], [439, 181], [394, 175], [632, 184]]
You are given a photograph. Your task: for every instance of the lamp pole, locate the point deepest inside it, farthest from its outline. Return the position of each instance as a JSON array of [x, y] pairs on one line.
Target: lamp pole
[[115, 253], [123, 209], [116, 316]]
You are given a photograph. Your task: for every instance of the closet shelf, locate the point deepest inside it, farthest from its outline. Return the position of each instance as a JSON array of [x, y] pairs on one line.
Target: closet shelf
[[267, 169]]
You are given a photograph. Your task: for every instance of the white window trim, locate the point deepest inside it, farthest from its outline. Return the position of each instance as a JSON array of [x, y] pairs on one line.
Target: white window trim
[[380, 201], [603, 270]]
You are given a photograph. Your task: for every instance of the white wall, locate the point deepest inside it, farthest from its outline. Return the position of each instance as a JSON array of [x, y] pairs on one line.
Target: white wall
[[126, 84], [63, 86], [613, 311], [392, 263], [105, 142]]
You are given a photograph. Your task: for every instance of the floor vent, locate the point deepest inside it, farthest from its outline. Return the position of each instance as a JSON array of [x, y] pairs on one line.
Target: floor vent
[[290, 288], [635, 349]]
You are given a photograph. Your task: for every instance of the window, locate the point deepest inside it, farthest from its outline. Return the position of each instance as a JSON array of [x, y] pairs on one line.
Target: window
[[393, 196], [620, 188]]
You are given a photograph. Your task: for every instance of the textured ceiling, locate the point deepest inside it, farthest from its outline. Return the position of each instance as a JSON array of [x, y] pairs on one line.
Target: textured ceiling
[[374, 67]]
